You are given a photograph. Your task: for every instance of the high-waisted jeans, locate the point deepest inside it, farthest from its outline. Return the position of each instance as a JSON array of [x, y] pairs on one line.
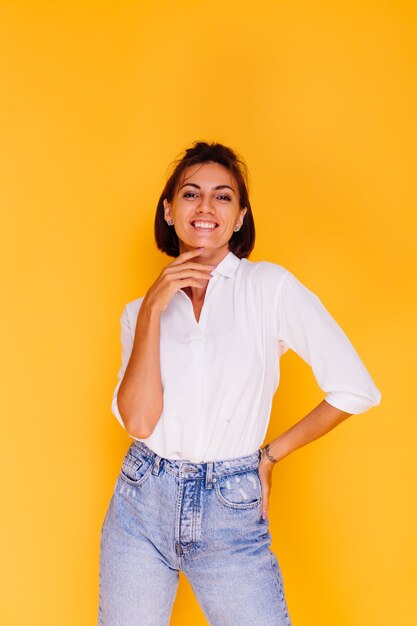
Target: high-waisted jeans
[[204, 519]]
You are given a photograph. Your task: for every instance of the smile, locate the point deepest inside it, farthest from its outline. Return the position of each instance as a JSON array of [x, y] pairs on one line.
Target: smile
[[204, 225]]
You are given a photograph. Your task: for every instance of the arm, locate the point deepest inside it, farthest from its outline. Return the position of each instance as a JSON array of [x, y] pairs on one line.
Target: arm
[[323, 418], [304, 325], [139, 396]]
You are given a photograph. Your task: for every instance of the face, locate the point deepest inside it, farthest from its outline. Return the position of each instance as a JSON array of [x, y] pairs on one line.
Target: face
[[205, 208]]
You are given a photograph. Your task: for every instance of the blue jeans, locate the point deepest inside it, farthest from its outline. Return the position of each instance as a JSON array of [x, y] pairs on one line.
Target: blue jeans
[[204, 519]]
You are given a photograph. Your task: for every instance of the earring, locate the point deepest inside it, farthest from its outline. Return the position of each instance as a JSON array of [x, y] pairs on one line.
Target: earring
[[170, 222], [236, 228]]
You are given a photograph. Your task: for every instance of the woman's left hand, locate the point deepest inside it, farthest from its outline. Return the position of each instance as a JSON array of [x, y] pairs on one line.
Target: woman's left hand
[[265, 473]]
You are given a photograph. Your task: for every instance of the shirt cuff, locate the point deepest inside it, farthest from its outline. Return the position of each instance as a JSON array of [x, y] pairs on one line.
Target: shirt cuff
[[115, 408], [351, 403]]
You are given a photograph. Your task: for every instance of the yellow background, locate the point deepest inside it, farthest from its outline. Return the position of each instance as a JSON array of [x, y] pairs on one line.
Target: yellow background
[[97, 99]]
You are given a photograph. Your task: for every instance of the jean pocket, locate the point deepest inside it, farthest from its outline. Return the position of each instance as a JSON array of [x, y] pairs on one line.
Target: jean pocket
[[135, 470], [242, 490]]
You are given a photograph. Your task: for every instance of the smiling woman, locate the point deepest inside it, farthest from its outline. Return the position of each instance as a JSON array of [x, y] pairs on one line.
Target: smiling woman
[[200, 365], [196, 191], [205, 217]]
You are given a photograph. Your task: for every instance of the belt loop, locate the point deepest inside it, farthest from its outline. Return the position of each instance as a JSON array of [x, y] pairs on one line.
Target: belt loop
[[209, 473], [156, 462]]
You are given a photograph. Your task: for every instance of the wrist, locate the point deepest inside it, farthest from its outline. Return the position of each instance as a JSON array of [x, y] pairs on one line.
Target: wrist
[[149, 310], [267, 454]]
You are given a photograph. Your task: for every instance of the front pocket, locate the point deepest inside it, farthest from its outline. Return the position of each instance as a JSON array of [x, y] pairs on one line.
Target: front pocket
[[135, 470], [242, 490]]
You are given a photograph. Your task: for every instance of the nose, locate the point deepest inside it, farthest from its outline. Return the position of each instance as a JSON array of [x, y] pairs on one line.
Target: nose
[[205, 205]]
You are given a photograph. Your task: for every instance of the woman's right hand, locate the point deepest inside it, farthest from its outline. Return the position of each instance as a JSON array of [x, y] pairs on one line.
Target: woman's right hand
[[181, 272]]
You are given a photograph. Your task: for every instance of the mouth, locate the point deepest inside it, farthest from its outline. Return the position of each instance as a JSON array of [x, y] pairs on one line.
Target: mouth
[[204, 225]]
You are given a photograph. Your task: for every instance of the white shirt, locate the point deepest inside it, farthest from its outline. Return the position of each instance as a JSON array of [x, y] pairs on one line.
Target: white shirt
[[219, 375]]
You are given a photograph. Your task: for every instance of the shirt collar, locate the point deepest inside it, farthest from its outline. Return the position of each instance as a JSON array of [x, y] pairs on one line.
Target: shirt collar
[[228, 265]]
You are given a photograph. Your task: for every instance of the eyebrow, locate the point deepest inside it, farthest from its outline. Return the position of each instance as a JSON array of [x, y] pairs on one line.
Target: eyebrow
[[198, 186]]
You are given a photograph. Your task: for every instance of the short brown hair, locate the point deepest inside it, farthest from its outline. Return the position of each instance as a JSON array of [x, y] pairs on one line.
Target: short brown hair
[[241, 242]]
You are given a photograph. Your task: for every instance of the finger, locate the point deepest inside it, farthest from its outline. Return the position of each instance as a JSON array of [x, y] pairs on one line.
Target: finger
[[265, 506], [189, 265], [182, 274], [188, 282], [186, 255], [192, 282]]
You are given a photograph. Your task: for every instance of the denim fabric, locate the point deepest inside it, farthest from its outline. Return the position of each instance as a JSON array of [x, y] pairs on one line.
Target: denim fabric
[[204, 519]]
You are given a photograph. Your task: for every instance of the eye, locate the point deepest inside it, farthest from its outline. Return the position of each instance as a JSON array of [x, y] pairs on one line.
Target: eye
[[221, 196]]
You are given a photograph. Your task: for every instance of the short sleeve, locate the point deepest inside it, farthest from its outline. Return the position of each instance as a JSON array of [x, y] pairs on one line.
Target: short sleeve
[[126, 337], [305, 326]]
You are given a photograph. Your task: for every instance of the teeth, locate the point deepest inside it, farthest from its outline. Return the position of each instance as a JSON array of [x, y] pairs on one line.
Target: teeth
[[204, 225]]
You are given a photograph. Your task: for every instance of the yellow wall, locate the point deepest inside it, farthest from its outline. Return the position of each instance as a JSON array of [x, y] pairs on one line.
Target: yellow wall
[[97, 98]]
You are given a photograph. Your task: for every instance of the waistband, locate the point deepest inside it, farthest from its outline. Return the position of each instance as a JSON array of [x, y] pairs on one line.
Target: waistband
[[210, 471]]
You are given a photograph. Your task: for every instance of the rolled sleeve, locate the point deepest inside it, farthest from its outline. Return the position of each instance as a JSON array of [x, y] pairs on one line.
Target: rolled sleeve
[[305, 326], [126, 337]]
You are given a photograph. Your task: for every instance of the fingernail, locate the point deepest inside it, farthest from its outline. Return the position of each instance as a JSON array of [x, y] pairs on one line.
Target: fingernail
[[263, 514], [212, 266]]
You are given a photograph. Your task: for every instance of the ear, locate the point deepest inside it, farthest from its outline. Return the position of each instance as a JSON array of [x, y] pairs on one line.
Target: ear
[[242, 213], [167, 209]]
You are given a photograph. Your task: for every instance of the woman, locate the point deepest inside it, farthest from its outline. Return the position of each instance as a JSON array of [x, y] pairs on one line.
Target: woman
[[200, 366]]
